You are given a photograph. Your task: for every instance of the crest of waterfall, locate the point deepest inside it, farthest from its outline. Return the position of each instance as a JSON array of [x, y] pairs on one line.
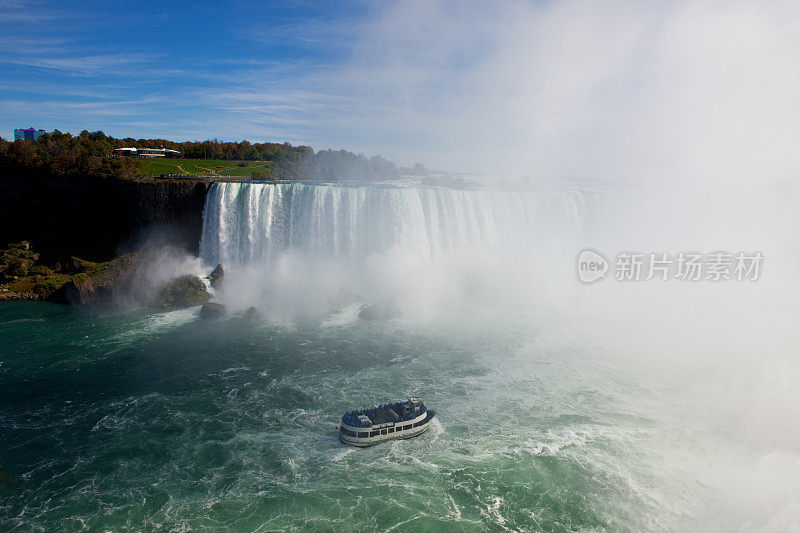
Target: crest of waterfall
[[295, 246], [246, 223]]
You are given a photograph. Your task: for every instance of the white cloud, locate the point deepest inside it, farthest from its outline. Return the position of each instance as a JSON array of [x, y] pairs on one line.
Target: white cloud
[[681, 90], [88, 65], [24, 11], [582, 88], [692, 90]]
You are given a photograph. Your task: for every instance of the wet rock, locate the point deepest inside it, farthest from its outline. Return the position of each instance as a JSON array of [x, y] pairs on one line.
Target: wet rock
[[93, 217], [212, 311], [22, 278], [185, 291], [216, 277], [76, 265], [99, 283], [78, 291], [251, 313], [17, 260], [18, 267]]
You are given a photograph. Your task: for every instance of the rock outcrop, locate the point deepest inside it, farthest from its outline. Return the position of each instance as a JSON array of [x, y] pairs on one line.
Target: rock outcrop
[[17, 260], [98, 283], [95, 218], [185, 291], [212, 311], [22, 278], [216, 277], [251, 313]]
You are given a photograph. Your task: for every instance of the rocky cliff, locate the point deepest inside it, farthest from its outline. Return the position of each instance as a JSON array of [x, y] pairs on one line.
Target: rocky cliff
[[98, 218]]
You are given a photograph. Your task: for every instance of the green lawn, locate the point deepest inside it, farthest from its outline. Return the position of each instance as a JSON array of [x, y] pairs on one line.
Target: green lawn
[[158, 166]]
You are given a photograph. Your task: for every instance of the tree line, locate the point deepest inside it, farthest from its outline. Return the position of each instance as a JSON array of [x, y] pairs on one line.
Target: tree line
[[62, 154]]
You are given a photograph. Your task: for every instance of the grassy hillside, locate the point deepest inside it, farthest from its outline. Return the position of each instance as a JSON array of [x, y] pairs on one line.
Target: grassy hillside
[[92, 154], [245, 169]]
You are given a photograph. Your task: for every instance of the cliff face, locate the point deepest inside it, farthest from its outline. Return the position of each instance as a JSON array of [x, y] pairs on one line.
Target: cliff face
[[99, 218]]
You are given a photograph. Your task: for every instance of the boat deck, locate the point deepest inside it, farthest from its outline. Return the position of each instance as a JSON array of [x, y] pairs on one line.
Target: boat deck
[[383, 414]]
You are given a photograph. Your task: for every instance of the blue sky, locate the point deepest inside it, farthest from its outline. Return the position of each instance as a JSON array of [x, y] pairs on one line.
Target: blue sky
[[183, 70], [538, 87]]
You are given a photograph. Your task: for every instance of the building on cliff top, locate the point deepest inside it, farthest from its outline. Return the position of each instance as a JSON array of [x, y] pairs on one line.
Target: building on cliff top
[[146, 152]]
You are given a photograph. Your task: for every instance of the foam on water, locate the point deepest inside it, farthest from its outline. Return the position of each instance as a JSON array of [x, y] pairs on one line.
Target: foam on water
[[545, 421], [267, 455], [302, 248]]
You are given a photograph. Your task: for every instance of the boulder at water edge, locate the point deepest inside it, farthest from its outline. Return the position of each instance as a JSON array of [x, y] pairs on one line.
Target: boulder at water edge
[[185, 291], [212, 311], [216, 277]]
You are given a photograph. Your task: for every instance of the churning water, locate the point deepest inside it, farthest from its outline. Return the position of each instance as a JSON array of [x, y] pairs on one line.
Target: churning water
[[160, 421], [295, 246]]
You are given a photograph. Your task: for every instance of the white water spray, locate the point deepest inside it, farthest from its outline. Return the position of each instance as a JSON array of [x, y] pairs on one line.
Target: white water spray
[[297, 244], [246, 222]]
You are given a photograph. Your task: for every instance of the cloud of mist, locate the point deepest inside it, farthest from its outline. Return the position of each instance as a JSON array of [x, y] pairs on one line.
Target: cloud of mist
[[692, 106], [690, 109], [648, 91]]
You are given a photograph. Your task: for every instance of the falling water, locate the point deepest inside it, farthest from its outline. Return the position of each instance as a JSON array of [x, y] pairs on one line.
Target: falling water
[[624, 409], [252, 222]]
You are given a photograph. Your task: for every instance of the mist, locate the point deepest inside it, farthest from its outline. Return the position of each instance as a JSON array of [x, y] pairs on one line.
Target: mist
[[566, 397], [681, 118], [674, 91], [718, 358]]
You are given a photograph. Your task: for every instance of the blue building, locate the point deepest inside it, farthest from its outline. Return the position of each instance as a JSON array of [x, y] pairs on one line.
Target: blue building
[[29, 134]]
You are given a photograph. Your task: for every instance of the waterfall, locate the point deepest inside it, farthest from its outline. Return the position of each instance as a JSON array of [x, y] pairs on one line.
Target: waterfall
[[246, 223]]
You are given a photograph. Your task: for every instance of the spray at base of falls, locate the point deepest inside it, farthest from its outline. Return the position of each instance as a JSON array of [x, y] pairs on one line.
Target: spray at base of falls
[[296, 244]]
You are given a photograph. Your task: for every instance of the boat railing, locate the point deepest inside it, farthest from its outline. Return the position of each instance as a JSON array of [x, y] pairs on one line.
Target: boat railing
[[396, 413]]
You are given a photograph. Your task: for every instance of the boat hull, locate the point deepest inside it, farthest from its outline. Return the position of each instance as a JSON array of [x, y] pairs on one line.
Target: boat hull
[[397, 435]]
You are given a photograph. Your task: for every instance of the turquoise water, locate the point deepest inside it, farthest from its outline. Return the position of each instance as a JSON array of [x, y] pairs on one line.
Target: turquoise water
[[160, 421], [560, 407]]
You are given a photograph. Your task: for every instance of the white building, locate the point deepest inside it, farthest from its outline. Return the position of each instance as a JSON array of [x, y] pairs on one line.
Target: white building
[[147, 152]]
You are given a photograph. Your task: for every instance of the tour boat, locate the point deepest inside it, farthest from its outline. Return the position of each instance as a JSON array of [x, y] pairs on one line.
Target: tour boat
[[400, 420]]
